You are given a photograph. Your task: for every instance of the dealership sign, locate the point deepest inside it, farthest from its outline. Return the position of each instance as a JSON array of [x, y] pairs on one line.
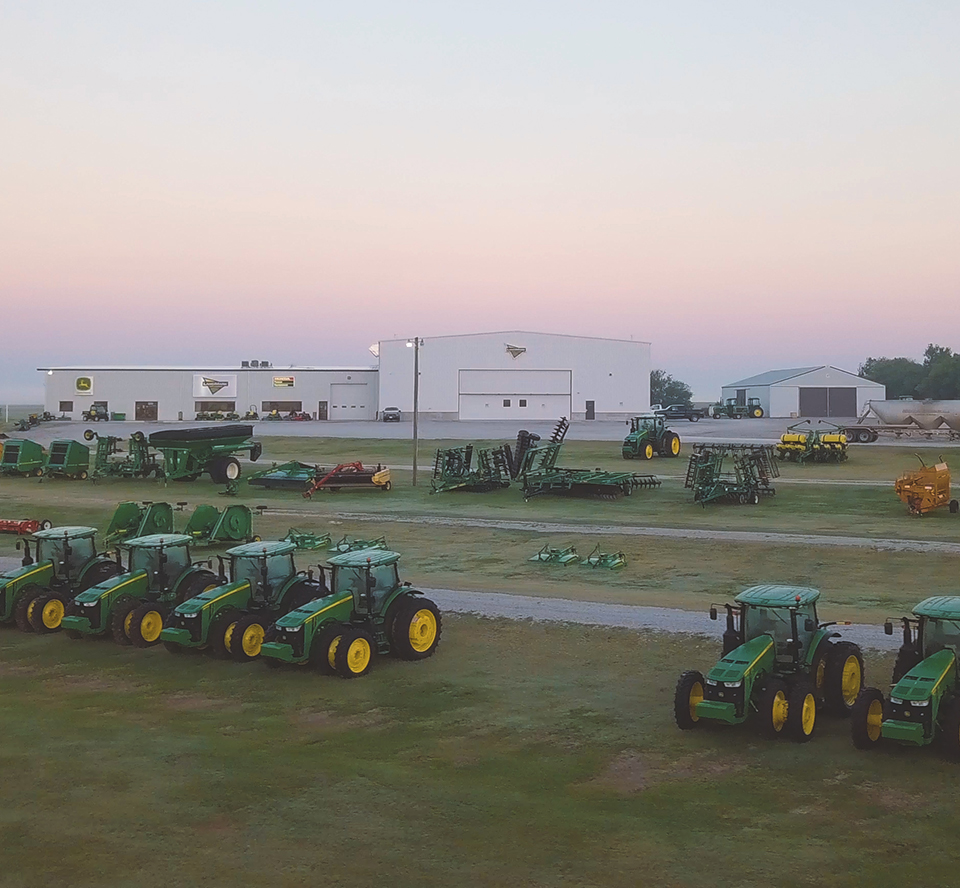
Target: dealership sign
[[284, 381], [206, 385], [84, 385]]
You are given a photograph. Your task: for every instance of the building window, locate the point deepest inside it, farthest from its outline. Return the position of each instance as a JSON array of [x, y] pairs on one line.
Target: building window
[[214, 406], [506, 402], [66, 406], [523, 402], [282, 406]]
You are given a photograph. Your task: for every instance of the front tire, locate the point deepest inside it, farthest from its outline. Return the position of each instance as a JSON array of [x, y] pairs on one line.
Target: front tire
[[22, 609], [220, 634], [120, 620], [46, 613], [323, 650], [688, 694], [773, 708], [802, 712], [355, 653], [949, 735], [866, 719], [247, 638], [146, 624]]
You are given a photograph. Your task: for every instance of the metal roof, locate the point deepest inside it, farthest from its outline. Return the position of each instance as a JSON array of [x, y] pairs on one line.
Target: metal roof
[[778, 596], [365, 557], [773, 376], [265, 547], [203, 368], [519, 333], [155, 540], [71, 532], [943, 607]]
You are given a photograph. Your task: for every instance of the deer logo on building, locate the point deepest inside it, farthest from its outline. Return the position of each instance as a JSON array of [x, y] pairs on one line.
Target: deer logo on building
[[515, 350]]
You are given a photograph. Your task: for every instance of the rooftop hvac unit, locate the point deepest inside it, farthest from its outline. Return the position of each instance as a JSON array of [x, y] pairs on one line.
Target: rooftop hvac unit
[[254, 363], [244, 363], [264, 363]]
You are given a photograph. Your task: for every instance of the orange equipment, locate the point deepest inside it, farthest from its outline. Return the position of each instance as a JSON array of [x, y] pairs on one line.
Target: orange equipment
[[926, 489]]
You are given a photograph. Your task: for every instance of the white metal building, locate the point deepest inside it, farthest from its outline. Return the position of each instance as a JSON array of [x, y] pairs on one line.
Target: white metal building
[[807, 391], [172, 393], [518, 375]]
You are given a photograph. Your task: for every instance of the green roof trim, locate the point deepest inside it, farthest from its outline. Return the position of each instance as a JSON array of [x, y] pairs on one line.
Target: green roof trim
[[71, 532], [155, 540], [364, 557], [265, 547], [939, 607], [778, 596]]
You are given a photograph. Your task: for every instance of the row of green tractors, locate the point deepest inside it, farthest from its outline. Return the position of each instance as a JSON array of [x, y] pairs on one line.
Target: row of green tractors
[[255, 604], [781, 667]]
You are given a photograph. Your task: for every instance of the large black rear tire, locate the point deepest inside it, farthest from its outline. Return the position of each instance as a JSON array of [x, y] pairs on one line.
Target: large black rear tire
[[844, 677], [415, 629]]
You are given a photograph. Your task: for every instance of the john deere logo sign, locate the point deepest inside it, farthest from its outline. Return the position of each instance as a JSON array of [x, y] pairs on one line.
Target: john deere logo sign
[[515, 350], [222, 384], [84, 384]]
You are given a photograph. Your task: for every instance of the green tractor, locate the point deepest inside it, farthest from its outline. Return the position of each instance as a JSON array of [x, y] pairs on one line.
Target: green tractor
[[133, 606], [366, 611], [735, 410], [924, 704], [233, 618], [63, 563], [649, 435], [778, 661]]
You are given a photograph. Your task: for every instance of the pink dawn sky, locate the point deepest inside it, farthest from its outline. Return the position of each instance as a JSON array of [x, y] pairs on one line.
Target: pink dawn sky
[[745, 185]]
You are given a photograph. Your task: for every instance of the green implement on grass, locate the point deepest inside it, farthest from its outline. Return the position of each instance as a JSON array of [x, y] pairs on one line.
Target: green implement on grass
[[209, 526], [367, 611], [606, 560], [731, 473], [67, 459], [233, 618], [812, 444], [22, 457], [924, 704], [649, 435], [64, 562], [304, 539], [454, 469], [549, 555], [132, 606], [188, 453], [139, 462], [778, 661], [139, 520]]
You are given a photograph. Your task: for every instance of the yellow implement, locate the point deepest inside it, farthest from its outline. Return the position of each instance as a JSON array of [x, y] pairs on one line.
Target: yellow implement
[[926, 489]]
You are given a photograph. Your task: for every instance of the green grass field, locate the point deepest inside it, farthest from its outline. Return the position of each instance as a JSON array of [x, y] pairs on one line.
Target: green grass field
[[522, 754]]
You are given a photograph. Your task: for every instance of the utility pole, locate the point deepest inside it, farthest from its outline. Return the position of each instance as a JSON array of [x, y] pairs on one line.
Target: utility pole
[[415, 345]]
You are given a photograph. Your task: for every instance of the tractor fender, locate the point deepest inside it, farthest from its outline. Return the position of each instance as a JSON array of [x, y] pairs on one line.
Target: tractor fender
[[186, 576], [95, 564], [819, 637], [13, 581]]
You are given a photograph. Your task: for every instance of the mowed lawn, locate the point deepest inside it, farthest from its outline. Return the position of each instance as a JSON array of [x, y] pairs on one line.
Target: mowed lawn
[[521, 754]]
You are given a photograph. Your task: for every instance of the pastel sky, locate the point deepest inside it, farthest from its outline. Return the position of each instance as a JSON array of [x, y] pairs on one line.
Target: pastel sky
[[746, 185]]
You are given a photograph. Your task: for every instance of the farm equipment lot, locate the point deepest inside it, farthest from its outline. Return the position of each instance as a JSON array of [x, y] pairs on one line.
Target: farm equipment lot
[[561, 736]]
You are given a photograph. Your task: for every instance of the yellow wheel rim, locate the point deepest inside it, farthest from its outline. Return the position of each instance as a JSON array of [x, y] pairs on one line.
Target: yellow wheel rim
[[648, 452], [128, 624], [228, 637], [821, 674], [851, 681], [423, 630], [252, 640], [150, 625], [808, 715], [675, 446], [696, 696], [52, 613], [332, 651], [874, 719], [358, 655], [778, 712]]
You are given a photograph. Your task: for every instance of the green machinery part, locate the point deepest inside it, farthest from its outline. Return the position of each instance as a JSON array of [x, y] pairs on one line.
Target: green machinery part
[[606, 560], [139, 461], [209, 525], [304, 539], [549, 555], [139, 520], [67, 459], [346, 545], [188, 453], [454, 469], [22, 457], [735, 473], [812, 444]]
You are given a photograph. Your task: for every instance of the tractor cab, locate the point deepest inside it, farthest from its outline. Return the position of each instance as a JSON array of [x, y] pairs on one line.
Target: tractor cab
[[163, 557], [647, 422], [265, 565], [369, 575], [68, 549]]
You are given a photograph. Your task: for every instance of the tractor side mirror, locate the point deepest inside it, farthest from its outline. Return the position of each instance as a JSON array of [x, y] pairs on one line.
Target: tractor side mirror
[[888, 628], [809, 625], [221, 570], [713, 612], [19, 545]]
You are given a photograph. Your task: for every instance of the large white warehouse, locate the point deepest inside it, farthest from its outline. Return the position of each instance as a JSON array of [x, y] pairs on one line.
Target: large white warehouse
[[513, 375]]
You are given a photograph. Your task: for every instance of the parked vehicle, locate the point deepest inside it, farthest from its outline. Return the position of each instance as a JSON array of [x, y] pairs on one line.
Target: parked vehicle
[[679, 411], [390, 414]]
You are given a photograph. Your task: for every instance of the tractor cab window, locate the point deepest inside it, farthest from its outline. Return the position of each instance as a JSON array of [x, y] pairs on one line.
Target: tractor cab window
[[383, 580], [773, 621], [349, 580], [940, 634], [149, 560], [80, 551], [277, 569]]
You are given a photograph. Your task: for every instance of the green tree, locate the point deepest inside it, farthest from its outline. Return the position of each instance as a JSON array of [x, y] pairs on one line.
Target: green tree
[[901, 376], [666, 390], [942, 373]]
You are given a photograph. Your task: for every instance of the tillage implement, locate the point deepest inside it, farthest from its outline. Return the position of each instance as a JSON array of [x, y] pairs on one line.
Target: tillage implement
[[364, 611], [779, 666], [64, 562], [731, 473], [133, 606], [924, 703]]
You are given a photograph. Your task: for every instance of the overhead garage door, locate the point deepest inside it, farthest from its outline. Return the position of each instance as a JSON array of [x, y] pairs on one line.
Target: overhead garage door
[[351, 401], [815, 402], [514, 394]]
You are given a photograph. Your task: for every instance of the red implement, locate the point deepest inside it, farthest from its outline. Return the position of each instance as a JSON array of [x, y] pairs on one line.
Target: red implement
[[22, 526], [317, 483]]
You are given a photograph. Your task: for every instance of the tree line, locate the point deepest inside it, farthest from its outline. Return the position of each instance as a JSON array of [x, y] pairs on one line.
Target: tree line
[[938, 376]]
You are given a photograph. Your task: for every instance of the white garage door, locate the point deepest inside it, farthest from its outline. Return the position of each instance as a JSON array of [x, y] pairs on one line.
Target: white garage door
[[351, 401], [514, 394]]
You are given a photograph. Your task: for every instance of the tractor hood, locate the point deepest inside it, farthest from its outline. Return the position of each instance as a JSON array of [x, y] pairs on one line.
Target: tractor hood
[[312, 610], [735, 665], [196, 604], [927, 678], [33, 572], [114, 584]]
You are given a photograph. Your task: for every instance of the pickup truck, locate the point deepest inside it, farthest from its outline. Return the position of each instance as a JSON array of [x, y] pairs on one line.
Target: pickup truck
[[679, 411]]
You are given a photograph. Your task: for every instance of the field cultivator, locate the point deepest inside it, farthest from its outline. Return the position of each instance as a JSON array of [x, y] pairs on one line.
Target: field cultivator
[[926, 488], [606, 560], [139, 462], [67, 459], [454, 469], [304, 539], [307, 479], [549, 555], [188, 453], [732, 473], [139, 520], [22, 457], [208, 526], [812, 444]]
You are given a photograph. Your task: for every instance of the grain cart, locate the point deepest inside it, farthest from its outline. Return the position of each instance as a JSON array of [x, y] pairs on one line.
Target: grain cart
[[22, 457], [138, 463], [64, 562], [649, 435], [926, 489], [367, 611], [811, 444], [778, 661], [133, 606], [67, 459], [732, 473], [733, 410], [924, 703], [188, 453], [209, 526], [233, 618], [139, 520]]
